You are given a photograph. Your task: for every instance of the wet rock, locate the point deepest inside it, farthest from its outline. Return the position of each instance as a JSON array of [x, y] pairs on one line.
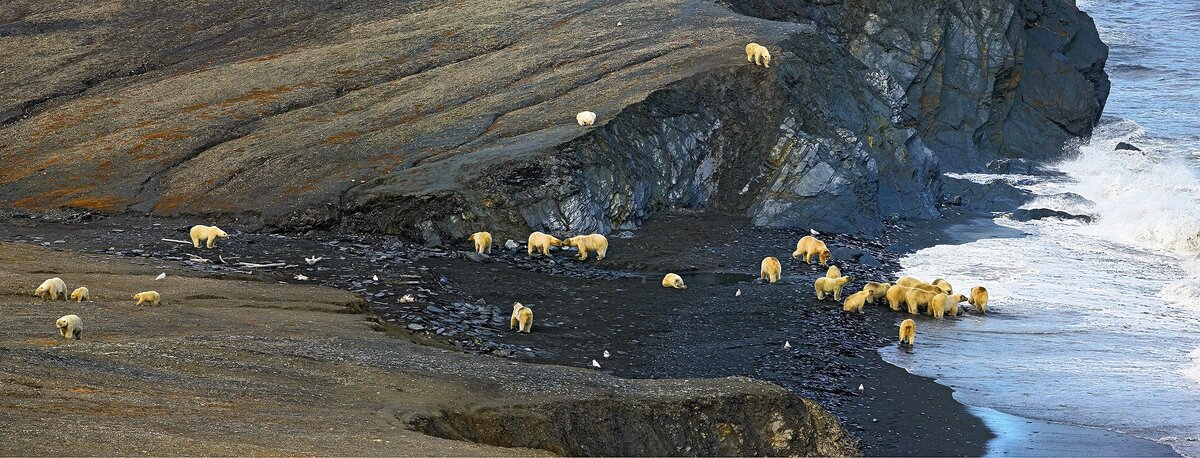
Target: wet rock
[[510, 245], [1122, 146], [1043, 213], [415, 327]]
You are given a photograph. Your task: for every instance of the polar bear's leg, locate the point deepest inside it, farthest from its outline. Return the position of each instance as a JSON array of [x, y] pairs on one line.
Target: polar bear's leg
[[195, 240], [212, 238], [600, 253], [582, 252], [530, 248]]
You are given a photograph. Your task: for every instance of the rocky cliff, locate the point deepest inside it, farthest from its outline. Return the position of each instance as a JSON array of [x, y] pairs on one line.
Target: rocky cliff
[[434, 119]]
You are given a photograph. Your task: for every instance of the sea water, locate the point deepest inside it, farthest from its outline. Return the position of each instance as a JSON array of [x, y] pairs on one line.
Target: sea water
[[1094, 324]]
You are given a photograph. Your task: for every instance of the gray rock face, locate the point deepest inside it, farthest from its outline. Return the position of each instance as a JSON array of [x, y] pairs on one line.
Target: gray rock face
[[373, 117]]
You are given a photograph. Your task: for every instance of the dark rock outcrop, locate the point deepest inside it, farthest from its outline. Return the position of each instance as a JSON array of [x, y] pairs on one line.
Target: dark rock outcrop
[[1123, 146], [432, 120], [772, 423], [1029, 214]]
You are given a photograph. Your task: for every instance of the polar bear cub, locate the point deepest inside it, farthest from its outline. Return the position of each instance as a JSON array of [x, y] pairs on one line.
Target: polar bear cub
[[151, 297], [592, 242], [585, 118], [770, 269], [522, 316], [70, 326], [483, 241], [52, 289], [81, 294], [542, 242], [825, 285], [809, 246], [673, 280], [206, 233], [758, 54]]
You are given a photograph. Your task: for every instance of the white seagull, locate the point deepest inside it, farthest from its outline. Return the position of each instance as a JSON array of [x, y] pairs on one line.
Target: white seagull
[[787, 345], [161, 276], [860, 388], [738, 293], [595, 364], [407, 298], [375, 277], [313, 260], [606, 353], [813, 232]]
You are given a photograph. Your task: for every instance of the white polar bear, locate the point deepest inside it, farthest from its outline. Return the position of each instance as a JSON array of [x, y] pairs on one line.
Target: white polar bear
[[70, 326], [207, 233], [53, 289], [585, 118]]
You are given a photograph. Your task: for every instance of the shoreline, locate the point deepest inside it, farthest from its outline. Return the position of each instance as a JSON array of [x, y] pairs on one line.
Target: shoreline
[[672, 335], [1016, 435]]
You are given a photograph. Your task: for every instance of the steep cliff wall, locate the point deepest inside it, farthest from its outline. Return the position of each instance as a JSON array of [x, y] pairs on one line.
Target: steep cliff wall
[[433, 120]]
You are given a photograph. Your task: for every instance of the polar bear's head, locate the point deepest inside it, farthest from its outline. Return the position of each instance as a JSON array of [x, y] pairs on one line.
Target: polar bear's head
[[517, 306], [61, 323], [221, 233], [41, 290], [825, 255]]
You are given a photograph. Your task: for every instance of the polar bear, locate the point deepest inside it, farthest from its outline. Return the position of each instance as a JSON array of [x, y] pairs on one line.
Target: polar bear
[[52, 289], [207, 233], [70, 326], [81, 294], [979, 298], [916, 298], [758, 54], [945, 303], [542, 242], [908, 331], [673, 280], [809, 246], [928, 287], [770, 269], [878, 291], [908, 282], [825, 285], [585, 243], [148, 296], [855, 301], [895, 296], [943, 285], [522, 318], [585, 118], [483, 241], [833, 272]]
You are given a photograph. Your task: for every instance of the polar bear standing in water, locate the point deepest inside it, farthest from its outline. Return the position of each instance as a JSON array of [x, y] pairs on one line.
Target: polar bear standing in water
[[908, 331]]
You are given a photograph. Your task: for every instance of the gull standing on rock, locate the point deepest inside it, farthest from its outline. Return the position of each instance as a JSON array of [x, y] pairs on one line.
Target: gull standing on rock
[[787, 345], [595, 364], [313, 260], [161, 276], [606, 353], [813, 232]]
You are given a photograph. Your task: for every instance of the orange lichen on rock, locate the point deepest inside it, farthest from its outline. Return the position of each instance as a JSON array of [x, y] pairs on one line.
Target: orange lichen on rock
[[102, 203]]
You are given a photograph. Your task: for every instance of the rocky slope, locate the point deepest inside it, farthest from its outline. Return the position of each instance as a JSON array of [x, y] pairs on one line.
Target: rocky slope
[[432, 120]]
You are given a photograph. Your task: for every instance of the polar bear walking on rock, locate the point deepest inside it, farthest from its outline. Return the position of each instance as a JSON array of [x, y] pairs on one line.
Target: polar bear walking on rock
[[483, 242], [52, 289], [540, 241], [206, 233], [593, 242], [826, 285], [70, 326], [522, 318], [585, 118], [809, 246], [770, 269], [758, 54]]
